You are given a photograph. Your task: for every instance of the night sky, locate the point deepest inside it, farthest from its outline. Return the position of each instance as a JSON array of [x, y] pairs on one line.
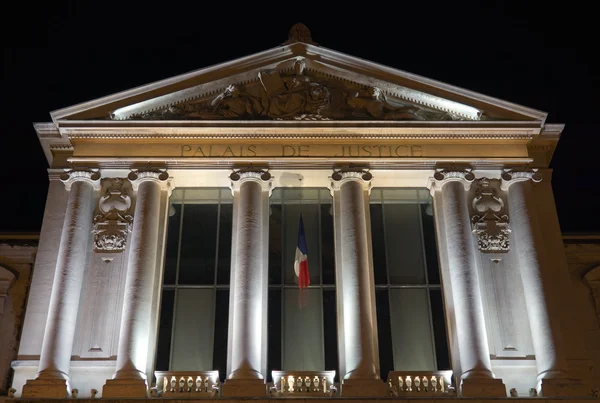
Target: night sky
[[538, 55]]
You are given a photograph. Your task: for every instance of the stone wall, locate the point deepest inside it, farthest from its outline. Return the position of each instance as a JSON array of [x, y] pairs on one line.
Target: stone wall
[[17, 255], [583, 258]]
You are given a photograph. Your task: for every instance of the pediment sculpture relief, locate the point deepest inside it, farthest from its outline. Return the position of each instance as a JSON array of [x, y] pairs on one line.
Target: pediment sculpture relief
[[295, 96]]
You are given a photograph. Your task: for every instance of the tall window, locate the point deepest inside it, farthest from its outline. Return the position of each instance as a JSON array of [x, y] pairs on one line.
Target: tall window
[[302, 323], [302, 333], [195, 295], [410, 312]]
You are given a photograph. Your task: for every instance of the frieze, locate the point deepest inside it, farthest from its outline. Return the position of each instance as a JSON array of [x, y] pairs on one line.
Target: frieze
[[490, 223]]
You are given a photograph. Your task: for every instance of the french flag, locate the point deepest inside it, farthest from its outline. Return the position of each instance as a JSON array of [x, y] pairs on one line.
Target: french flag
[[301, 262]]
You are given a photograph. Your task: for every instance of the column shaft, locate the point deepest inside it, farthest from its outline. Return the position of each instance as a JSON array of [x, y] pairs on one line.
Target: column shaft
[[141, 266], [249, 273], [249, 285], [547, 342], [468, 307], [66, 289], [357, 287]]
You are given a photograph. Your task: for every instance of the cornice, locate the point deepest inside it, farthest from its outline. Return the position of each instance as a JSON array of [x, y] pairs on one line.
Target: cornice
[[522, 131], [384, 136]]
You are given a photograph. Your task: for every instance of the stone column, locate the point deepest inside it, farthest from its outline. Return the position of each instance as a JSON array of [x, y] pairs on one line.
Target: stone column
[[53, 374], [249, 284], [535, 270], [129, 379], [355, 286], [459, 271]]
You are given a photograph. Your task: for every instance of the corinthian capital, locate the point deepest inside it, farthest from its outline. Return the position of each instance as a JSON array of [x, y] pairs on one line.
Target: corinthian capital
[[510, 177], [440, 177], [150, 175], [91, 177], [338, 178], [263, 178]]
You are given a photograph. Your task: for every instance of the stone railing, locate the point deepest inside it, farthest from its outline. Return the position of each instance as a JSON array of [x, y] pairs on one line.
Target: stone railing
[[420, 383], [303, 383], [187, 383]]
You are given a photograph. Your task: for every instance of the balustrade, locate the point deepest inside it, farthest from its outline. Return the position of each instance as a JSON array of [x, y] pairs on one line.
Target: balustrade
[[303, 383], [422, 383], [187, 383]]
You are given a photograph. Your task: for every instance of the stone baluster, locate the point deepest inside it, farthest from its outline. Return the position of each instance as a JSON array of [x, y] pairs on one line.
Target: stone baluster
[[459, 272], [534, 266], [129, 379], [53, 374], [355, 285], [249, 284]]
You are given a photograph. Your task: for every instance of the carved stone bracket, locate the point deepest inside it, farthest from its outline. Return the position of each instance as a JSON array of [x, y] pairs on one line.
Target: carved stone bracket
[[338, 178], [91, 177], [510, 177], [262, 177], [113, 223], [490, 223]]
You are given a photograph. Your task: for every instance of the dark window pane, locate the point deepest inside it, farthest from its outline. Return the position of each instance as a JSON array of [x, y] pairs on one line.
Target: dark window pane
[[330, 332], [413, 344], [439, 330], [275, 244], [378, 241], [163, 350], [274, 333], [224, 260], [198, 244], [221, 333], [431, 254], [327, 245], [172, 245], [404, 243], [384, 333]]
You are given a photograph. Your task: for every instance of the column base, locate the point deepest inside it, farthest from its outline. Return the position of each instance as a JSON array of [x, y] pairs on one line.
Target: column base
[[364, 388], [483, 387], [46, 388], [562, 387], [244, 388], [124, 388]]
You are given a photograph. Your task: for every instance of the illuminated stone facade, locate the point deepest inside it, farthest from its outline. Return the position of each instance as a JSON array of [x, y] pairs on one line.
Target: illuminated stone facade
[[300, 116]]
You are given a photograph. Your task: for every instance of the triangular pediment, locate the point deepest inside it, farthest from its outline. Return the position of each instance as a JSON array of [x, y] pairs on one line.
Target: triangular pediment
[[298, 81]]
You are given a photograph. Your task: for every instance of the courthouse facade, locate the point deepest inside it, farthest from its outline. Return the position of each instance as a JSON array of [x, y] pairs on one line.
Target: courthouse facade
[[165, 264]]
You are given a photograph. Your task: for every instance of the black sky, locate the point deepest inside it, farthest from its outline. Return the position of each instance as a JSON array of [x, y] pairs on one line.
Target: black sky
[[536, 54]]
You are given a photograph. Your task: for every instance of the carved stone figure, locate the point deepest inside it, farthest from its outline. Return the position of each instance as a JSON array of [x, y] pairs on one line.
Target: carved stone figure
[[490, 224], [291, 96], [235, 103], [370, 102], [112, 225]]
